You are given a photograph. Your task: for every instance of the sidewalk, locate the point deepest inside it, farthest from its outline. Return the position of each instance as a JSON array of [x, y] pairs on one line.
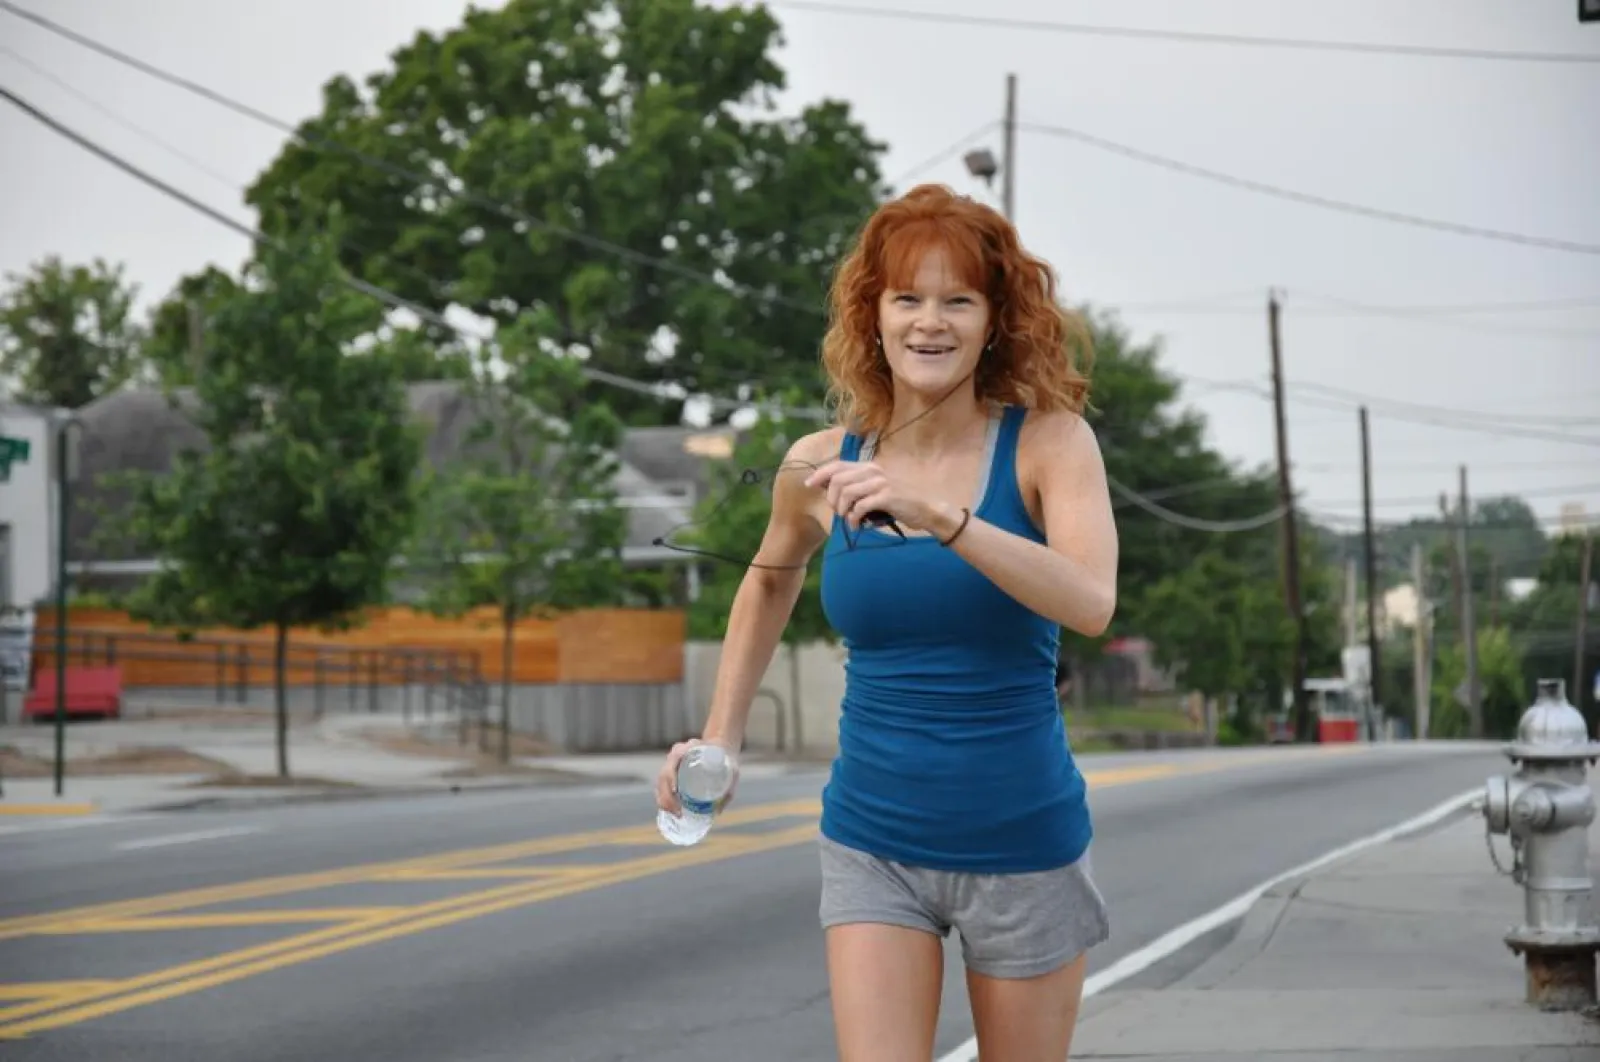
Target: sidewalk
[[169, 764], [1394, 955]]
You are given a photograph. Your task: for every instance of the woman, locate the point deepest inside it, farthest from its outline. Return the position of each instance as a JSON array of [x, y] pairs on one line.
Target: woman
[[954, 802]]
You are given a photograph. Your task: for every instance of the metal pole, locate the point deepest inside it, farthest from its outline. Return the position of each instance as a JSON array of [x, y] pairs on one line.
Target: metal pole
[[1008, 168], [62, 501], [1374, 587], [1580, 696], [1422, 679], [1469, 625]]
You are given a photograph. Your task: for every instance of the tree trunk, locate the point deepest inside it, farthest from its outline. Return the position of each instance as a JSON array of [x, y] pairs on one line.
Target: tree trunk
[[507, 655], [280, 691]]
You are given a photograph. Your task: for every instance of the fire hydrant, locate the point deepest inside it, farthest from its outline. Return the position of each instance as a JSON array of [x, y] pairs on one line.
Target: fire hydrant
[[1546, 807]]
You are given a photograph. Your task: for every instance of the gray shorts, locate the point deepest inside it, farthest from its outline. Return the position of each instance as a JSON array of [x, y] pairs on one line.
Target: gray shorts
[[1011, 925]]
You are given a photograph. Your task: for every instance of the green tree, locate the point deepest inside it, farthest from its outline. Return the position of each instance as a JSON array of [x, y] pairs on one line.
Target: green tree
[[181, 321], [617, 132], [1545, 624], [526, 518], [67, 333], [1500, 685], [1156, 447], [1198, 618], [1221, 625], [298, 505]]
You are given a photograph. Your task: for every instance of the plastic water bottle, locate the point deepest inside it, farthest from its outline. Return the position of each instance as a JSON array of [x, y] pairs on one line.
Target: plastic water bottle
[[705, 776]]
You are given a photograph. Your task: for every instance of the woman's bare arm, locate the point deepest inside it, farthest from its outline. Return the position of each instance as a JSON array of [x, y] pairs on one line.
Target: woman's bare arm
[[765, 598], [1072, 578]]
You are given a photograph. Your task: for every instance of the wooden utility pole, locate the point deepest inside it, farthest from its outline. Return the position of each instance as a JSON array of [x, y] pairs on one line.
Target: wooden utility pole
[[1352, 602], [1420, 657], [1469, 626], [1373, 587], [1494, 592], [1581, 696], [197, 339], [1303, 728], [1008, 165]]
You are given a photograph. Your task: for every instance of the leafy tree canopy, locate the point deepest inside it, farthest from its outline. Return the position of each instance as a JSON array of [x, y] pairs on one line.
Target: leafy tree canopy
[[67, 333], [568, 143]]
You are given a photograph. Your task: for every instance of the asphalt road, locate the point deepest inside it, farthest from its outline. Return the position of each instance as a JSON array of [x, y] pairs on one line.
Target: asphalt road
[[552, 925]]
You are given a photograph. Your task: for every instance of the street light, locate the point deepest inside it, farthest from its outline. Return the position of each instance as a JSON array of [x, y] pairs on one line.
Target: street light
[[982, 165], [68, 431]]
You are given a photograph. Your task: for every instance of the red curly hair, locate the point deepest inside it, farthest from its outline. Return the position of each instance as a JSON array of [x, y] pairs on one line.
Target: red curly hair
[[1041, 353]]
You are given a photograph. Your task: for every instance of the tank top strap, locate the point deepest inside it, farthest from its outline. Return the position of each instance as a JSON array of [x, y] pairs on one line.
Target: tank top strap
[[850, 447], [1005, 446], [1009, 508]]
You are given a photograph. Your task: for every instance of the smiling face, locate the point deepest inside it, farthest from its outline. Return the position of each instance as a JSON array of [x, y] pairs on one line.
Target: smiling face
[[934, 325]]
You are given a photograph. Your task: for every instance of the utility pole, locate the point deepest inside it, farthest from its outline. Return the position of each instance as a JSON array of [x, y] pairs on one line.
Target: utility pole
[[197, 339], [1008, 166], [1352, 602], [1373, 589], [1580, 695], [1304, 731], [1422, 674], [1469, 626]]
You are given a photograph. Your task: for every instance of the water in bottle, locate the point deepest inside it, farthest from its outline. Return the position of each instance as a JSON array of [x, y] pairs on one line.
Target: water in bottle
[[705, 776]]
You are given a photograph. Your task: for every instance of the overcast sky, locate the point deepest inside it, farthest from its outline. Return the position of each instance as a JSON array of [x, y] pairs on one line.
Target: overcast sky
[[1511, 146]]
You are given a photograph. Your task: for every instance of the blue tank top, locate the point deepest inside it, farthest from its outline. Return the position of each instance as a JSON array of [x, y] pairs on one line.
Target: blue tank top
[[952, 751]]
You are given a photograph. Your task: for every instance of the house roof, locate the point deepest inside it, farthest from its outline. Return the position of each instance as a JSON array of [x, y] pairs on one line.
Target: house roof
[[145, 430]]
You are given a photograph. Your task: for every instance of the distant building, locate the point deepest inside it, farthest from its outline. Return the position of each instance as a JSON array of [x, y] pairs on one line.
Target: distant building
[[28, 536], [28, 507], [662, 472]]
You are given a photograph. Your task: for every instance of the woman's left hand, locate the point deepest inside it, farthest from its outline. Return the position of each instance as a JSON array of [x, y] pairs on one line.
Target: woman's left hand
[[856, 488]]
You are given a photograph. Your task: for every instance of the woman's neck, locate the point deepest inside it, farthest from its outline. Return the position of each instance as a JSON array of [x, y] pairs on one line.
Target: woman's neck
[[934, 425]]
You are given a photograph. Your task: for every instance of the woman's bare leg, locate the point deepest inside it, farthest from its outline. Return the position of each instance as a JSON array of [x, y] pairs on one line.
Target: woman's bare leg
[[1028, 1019], [886, 982]]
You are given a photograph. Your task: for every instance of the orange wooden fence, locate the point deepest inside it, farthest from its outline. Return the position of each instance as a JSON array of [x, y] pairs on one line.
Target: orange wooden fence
[[598, 646]]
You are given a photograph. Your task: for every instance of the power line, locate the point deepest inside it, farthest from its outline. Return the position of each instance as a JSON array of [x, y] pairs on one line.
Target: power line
[[1466, 414], [1187, 36], [419, 180], [1434, 416], [658, 390], [1545, 242], [1482, 427], [383, 295], [943, 154], [1195, 523]]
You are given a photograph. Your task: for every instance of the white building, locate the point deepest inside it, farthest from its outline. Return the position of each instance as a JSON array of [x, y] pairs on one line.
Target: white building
[[28, 513]]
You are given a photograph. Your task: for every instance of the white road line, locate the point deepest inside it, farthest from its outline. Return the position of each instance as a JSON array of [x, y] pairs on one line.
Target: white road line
[[72, 824], [185, 838], [1169, 944]]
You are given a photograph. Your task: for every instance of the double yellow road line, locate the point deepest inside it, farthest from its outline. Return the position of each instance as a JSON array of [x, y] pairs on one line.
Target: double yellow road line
[[58, 1004], [53, 1005]]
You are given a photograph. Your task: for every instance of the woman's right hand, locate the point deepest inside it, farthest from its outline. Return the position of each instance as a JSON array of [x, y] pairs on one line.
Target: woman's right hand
[[667, 777]]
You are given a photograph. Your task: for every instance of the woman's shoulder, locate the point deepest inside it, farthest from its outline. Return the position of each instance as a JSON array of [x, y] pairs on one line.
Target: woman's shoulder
[[1056, 438], [818, 447], [1055, 430]]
